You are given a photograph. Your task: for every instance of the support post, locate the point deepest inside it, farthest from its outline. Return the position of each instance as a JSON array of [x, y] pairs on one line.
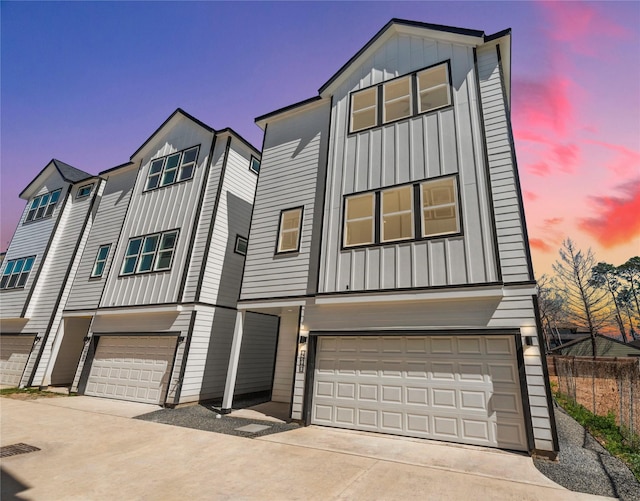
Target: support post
[[234, 357]]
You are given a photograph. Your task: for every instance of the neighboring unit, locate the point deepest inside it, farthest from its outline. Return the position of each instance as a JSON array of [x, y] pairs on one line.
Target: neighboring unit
[[151, 310], [388, 235]]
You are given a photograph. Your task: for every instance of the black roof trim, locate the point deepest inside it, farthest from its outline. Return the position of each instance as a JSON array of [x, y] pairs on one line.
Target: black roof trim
[[115, 168], [185, 114], [404, 22], [229, 130], [588, 338], [499, 34], [287, 108], [68, 173]]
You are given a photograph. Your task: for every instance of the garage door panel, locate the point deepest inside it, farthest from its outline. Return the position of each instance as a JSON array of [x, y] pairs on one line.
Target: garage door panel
[[132, 368], [471, 398], [14, 354]]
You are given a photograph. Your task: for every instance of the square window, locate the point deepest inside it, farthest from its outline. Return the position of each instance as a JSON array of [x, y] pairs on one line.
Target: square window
[[254, 165], [439, 207], [433, 88], [359, 220], [364, 112], [241, 245], [289, 234], [397, 214], [397, 99]]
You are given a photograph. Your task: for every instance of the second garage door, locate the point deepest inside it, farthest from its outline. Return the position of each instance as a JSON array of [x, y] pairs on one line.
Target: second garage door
[[132, 368], [455, 388], [14, 353]]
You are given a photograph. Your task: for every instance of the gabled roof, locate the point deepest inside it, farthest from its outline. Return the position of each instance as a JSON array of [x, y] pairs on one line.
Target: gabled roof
[[66, 171], [605, 347], [178, 111]]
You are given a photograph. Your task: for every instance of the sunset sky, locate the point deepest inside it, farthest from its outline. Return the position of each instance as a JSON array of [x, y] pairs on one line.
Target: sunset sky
[[88, 82]]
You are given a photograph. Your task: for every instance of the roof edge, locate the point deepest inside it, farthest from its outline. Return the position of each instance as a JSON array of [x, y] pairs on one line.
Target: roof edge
[[293, 106], [229, 130]]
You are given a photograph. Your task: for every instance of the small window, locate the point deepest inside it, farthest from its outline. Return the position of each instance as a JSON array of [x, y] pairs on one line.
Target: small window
[[16, 272], [84, 191], [433, 88], [172, 169], [42, 206], [397, 99], [150, 253], [254, 165], [241, 245], [359, 220], [289, 234], [397, 214], [364, 112], [101, 261], [439, 207]]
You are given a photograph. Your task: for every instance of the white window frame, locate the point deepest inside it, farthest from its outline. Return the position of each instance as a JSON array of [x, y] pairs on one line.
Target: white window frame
[[100, 261], [42, 206], [252, 163], [386, 102], [353, 112], [372, 218], [426, 90], [158, 171], [15, 273], [245, 242], [84, 191], [282, 231], [454, 205], [384, 214], [155, 253]]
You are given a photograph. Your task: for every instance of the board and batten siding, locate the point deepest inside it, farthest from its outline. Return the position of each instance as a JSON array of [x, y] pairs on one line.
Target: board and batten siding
[[86, 291], [31, 239], [223, 272], [167, 208], [293, 163], [64, 258], [507, 202], [442, 142]]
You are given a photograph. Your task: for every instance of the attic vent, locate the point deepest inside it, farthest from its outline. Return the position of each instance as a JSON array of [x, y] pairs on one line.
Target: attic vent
[[15, 449]]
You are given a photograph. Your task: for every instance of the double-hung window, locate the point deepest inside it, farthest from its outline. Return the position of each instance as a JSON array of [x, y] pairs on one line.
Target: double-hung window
[[150, 253], [289, 231], [407, 212], [42, 206], [16, 272], [101, 261], [172, 168], [419, 92]]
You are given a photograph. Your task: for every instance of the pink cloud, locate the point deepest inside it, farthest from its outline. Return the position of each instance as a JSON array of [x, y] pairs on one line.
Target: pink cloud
[[542, 105], [554, 221], [567, 156], [540, 245], [618, 222], [540, 169], [530, 196], [625, 162], [526, 135]]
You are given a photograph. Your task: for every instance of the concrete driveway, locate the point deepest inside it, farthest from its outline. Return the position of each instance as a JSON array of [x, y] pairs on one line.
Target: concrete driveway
[[91, 455]]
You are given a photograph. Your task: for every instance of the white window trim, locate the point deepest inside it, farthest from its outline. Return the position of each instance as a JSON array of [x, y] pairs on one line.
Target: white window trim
[[178, 169], [85, 187], [371, 218], [236, 249], [5, 278], [282, 231], [362, 110], [455, 204], [397, 213], [385, 102], [155, 254], [98, 260], [47, 208], [254, 159]]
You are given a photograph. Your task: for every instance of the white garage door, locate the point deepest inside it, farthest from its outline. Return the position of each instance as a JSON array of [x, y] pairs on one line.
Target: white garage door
[[132, 368], [454, 388], [14, 353]]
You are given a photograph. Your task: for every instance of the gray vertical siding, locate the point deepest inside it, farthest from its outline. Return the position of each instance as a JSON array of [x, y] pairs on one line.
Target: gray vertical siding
[[223, 267], [509, 224], [107, 224], [161, 209], [291, 160], [442, 142]]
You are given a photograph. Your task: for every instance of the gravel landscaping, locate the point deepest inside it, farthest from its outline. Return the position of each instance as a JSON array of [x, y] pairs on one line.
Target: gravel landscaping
[[206, 417], [585, 466]]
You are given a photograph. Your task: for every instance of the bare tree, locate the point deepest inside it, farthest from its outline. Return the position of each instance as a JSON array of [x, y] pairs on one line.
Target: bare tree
[[586, 304], [551, 306], [606, 276]]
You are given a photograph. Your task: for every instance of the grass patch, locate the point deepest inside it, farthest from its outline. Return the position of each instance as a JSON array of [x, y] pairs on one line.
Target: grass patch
[[623, 444], [28, 393]]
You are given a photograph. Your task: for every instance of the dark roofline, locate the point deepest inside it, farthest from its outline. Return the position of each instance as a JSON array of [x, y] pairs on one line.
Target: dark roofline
[[588, 338], [404, 22], [55, 163], [229, 130], [185, 114], [499, 34], [287, 108], [115, 168]]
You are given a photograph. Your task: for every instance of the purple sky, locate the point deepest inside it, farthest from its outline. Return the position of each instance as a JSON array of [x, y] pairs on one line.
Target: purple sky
[[88, 82]]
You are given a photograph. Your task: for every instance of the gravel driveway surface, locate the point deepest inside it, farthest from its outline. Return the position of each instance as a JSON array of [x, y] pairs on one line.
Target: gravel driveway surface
[[585, 466]]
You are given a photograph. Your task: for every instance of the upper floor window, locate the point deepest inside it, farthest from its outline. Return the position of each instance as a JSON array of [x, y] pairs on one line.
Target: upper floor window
[[101, 261], [254, 165], [388, 215], [289, 231], [16, 272], [150, 253], [42, 206], [172, 168], [419, 92], [241, 245], [84, 191]]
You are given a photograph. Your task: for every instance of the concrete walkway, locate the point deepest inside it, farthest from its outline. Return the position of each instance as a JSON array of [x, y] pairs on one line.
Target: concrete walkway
[[88, 455]]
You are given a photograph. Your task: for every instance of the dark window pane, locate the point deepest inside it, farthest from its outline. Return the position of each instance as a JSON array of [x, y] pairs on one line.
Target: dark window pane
[[172, 162], [3, 282], [134, 246], [168, 177], [189, 156], [12, 281], [103, 253], [152, 182], [28, 264], [146, 260], [129, 265], [150, 243], [168, 241], [56, 195], [9, 268], [164, 260], [156, 166], [186, 172], [22, 280]]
